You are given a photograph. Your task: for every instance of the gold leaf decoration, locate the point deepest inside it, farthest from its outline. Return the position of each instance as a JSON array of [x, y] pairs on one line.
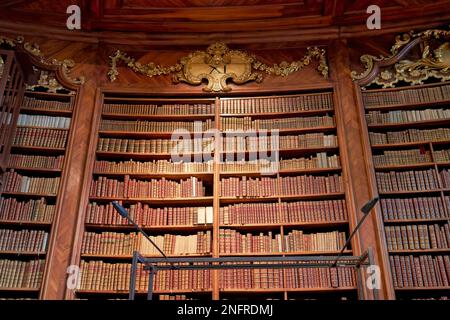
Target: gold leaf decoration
[[34, 50], [434, 61], [218, 64]]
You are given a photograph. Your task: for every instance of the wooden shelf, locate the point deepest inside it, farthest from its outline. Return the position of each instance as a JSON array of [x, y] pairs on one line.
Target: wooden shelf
[[413, 192], [319, 196], [30, 224], [176, 176], [281, 290], [296, 253], [49, 94], [148, 156], [157, 117], [28, 195], [424, 251], [302, 225], [118, 228], [44, 128], [129, 257], [323, 290], [282, 152], [422, 288], [48, 112], [231, 200], [408, 125], [35, 170], [148, 135], [408, 144], [39, 150], [283, 132], [412, 106], [21, 254], [3, 289], [406, 167], [163, 201], [408, 221], [281, 172], [272, 115], [126, 292]]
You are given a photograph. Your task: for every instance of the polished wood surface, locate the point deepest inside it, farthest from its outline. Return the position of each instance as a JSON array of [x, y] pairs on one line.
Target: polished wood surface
[[321, 23]]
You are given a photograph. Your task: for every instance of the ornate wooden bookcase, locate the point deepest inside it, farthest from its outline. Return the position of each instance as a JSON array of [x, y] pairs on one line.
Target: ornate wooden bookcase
[[44, 97], [404, 99]]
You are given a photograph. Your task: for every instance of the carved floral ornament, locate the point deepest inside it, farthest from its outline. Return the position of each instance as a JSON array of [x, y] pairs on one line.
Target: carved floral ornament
[[217, 65], [46, 79], [434, 61]]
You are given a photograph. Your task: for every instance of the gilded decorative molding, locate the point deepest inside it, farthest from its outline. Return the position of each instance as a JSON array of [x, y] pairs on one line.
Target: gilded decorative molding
[[434, 61], [34, 50], [217, 65], [2, 64]]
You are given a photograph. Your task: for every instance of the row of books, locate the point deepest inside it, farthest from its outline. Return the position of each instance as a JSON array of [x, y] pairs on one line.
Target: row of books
[[156, 126], [43, 121], [23, 240], [407, 181], [26, 211], [37, 137], [319, 161], [123, 244], [420, 271], [401, 157], [418, 237], [413, 208], [445, 176], [441, 155], [263, 187], [21, 274], [320, 277], [320, 101], [298, 241], [231, 241], [406, 96], [270, 278], [32, 161], [174, 146], [410, 135], [274, 143], [102, 276], [36, 103], [154, 188], [14, 182], [405, 116], [159, 109], [285, 212], [307, 184], [248, 123], [144, 215]]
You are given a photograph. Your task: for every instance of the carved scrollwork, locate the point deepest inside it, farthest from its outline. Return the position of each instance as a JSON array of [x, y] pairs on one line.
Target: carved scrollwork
[[34, 50], [434, 61], [218, 64]]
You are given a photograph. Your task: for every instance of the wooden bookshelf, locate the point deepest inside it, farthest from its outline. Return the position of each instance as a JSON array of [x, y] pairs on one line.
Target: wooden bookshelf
[[426, 206], [37, 106], [216, 111]]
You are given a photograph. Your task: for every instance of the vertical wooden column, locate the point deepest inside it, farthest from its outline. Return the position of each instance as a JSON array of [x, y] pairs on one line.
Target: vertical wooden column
[[356, 171], [65, 232], [216, 204]]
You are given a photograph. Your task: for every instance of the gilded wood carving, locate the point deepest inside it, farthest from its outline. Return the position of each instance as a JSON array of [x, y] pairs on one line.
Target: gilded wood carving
[[218, 64], [46, 79], [434, 61]]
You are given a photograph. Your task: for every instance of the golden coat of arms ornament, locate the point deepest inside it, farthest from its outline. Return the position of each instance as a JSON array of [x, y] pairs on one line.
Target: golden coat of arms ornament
[[219, 65]]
